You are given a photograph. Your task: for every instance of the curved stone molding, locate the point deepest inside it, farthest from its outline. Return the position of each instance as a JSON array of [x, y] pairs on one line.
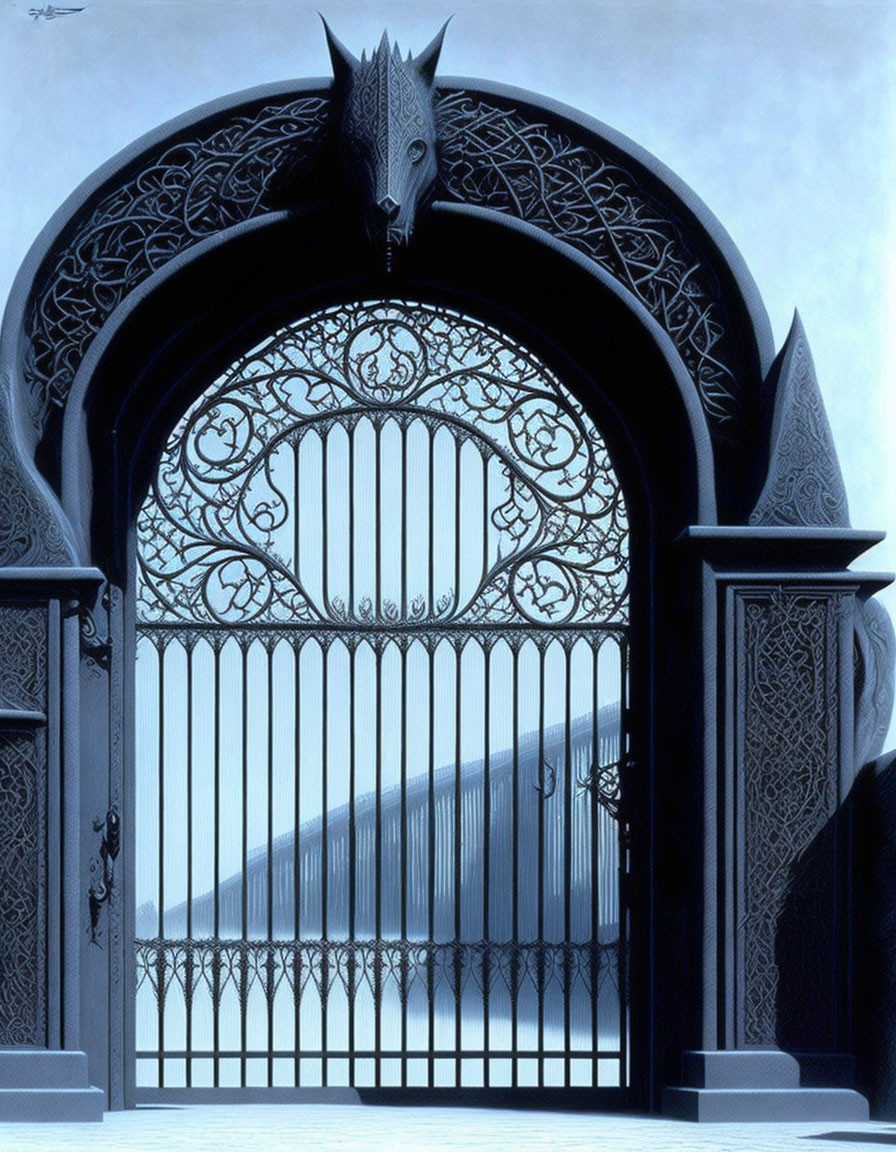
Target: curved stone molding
[[804, 486], [876, 649], [562, 182], [570, 178], [32, 531], [185, 190]]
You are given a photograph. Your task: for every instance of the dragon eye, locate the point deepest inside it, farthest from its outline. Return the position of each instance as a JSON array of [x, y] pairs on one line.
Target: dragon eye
[[416, 151]]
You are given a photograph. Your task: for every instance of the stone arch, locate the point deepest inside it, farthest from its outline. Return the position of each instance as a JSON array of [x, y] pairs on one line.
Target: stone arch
[[221, 223]]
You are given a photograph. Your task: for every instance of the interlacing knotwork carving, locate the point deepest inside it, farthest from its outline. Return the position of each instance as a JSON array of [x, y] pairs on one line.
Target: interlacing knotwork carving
[[220, 532], [804, 485], [184, 193], [790, 700], [23, 669], [22, 889], [490, 154], [498, 157]]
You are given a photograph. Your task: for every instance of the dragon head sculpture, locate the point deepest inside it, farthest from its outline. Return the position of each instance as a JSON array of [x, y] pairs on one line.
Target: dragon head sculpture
[[388, 133]]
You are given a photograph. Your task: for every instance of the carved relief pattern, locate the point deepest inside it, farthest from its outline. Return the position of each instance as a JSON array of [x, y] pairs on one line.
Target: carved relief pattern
[[22, 889], [804, 484], [789, 790], [498, 158], [191, 190], [23, 668], [489, 155], [29, 530], [874, 685]]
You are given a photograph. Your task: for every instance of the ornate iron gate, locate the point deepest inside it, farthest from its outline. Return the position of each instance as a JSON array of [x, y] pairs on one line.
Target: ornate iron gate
[[382, 672]]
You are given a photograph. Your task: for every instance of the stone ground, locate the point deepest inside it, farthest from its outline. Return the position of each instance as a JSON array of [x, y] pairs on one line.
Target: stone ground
[[366, 1128]]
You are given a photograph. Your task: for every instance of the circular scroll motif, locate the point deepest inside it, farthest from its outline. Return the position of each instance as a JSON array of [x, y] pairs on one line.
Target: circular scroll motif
[[391, 428]]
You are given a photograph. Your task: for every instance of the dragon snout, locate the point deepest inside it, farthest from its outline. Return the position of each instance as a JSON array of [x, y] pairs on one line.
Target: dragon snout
[[388, 209]]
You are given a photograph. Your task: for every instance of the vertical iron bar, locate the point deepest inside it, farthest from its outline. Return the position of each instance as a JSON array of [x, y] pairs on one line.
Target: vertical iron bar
[[457, 518], [404, 521], [297, 735], [352, 862], [486, 862], [378, 857], [189, 996], [324, 859], [515, 870], [324, 521], [458, 841], [160, 668], [244, 846], [377, 516], [351, 520], [216, 971], [541, 803], [431, 521], [297, 856], [403, 854], [596, 879], [623, 863], [297, 523], [431, 875], [270, 870], [567, 862]]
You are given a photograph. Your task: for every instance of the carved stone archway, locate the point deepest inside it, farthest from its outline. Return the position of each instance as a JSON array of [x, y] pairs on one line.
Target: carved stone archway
[[752, 721]]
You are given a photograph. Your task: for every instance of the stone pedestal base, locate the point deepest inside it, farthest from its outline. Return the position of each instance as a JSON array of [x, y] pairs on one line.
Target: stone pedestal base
[[746, 1086], [42, 1086]]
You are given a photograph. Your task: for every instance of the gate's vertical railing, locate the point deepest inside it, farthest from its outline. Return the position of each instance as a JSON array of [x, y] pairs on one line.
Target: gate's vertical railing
[[423, 876]]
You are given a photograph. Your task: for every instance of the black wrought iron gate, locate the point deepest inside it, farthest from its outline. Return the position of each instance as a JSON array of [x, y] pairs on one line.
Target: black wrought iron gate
[[381, 696]]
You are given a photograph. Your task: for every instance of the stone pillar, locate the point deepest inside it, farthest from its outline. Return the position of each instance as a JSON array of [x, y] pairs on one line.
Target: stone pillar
[[780, 643], [43, 1072]]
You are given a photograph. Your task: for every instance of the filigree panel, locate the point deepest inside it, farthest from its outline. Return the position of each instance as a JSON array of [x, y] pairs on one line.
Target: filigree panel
[[221, 532], [789, 704], [23, 667], [22, 889]]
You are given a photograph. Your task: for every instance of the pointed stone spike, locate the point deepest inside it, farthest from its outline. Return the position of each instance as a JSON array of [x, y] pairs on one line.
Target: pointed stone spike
[[383, 45], [804, 486], [344, 63], [428, 59]]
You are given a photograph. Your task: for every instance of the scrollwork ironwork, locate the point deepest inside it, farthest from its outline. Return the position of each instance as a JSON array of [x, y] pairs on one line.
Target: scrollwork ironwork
[[219, 537]]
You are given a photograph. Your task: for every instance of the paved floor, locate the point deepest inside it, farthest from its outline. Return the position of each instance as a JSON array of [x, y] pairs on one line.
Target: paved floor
[[309, 1127]]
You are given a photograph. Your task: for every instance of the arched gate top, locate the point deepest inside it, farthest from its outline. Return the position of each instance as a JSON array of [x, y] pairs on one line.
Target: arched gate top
[[261, 151]]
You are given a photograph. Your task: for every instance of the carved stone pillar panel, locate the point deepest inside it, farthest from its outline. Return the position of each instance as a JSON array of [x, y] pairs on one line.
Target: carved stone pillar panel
[[43, 623], [23, 823], [788, 705]]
